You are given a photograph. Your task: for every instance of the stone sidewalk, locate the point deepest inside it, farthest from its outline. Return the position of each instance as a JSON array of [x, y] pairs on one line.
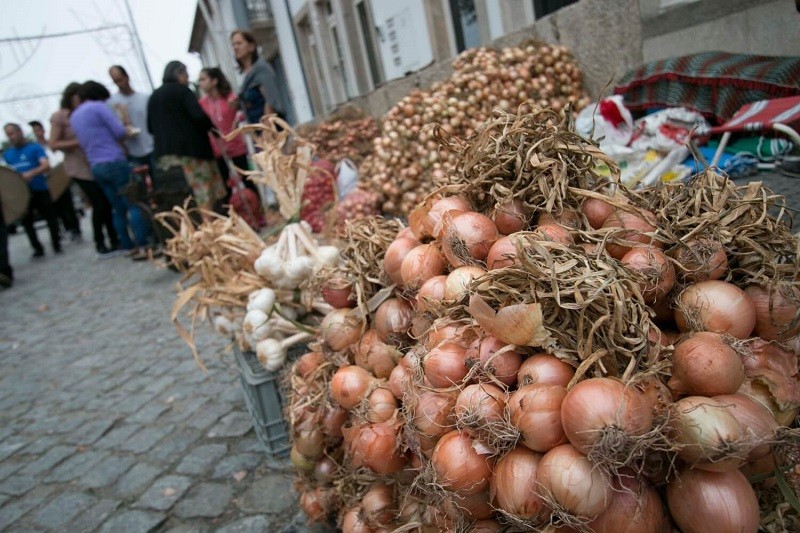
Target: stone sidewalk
[[106, 423]]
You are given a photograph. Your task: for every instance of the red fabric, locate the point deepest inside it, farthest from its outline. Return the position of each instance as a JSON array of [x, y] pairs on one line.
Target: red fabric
[[610, 112], [763, 114], [223, 115]]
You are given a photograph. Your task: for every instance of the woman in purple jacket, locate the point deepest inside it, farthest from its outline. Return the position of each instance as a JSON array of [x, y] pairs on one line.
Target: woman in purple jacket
[[99, 133]]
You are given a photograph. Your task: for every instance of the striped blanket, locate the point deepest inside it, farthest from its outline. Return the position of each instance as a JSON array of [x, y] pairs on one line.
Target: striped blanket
[[715, 84]]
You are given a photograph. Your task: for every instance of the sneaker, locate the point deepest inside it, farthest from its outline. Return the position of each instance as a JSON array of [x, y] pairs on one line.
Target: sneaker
[[6, 281], [37, 254]]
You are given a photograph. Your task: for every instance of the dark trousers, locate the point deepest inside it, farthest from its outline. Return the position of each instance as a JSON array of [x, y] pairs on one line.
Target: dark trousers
[[149, 160], [65, 209], [241, 162], [41, 203], [5, 265], [101, 214]]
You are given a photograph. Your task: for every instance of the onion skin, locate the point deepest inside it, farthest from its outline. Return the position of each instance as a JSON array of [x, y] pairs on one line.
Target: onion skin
[[511, 217], [340, 329], [431, 291], [459, 280], [597, 404], [657, 269], [393, 258], [398, 380], [481, 403], [392, 319], [349, 385], [374, 446], [637, 229], [724, 501], [756, 420], [433, 413], [515, 488], [502, 254], [596, 212], [573, 482], [459, 467], [502, 367], [377, 504], [352, 522], [705, 365], [635, 507], [432, 224], [467, 238], [709, 435], [445, 365], [775, 323], [536, 411], [421, 264], [716, 306], [545, 369], [701, 259]]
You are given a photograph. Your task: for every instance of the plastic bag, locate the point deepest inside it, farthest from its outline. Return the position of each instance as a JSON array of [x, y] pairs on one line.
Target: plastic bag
[[347, 177], [612, 122]]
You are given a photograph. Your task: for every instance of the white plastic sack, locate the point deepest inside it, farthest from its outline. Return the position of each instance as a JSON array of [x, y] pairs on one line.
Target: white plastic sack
[[609, 132], [346, 177]]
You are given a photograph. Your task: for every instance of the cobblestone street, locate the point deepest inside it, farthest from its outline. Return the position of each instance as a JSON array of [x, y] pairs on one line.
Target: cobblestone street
[[107, 424]]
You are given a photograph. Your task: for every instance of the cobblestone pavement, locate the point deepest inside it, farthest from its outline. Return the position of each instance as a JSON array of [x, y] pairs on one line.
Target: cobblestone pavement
[[106, 423]]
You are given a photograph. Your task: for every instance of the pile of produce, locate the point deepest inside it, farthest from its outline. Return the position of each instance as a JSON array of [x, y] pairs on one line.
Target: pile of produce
[[216, 259], [345, 134], [544, 350], [406, 158], [251, 289]]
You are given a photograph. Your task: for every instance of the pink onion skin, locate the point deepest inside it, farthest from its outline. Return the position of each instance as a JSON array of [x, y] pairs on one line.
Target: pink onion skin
[[722, 501]]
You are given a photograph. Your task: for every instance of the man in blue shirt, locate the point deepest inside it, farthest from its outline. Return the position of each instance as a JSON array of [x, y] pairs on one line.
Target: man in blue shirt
[[30, 160]]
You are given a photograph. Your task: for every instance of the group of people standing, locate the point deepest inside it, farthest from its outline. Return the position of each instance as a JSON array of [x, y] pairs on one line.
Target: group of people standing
[[103, 136]]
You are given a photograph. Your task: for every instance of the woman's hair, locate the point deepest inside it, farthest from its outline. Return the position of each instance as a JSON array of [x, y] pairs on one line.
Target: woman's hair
[[172, 70], [223, 86], [250, 39], [69, 91], [92, 90]]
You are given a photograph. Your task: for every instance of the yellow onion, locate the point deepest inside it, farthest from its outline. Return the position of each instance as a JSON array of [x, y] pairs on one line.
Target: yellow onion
[[462, 464], [723, 501], [573, 482], [515, 486]]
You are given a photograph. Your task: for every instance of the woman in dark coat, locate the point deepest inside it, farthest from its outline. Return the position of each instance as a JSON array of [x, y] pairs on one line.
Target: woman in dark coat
[[180, 131]]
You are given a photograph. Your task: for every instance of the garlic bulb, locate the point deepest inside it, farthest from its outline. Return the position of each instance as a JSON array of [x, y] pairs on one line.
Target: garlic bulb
[[329, 255], [271, 354], [224, 326], [262, 300]]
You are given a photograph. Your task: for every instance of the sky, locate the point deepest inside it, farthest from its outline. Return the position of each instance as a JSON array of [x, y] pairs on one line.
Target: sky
[[46, 65]]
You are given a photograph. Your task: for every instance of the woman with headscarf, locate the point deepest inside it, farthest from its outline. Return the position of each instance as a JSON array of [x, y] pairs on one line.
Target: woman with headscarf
[[180, 131], [258, 94], [77, 166]]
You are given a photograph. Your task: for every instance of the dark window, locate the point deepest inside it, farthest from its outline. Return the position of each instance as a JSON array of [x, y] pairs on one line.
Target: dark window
[[465, 24], [369, 46], [545, 7]]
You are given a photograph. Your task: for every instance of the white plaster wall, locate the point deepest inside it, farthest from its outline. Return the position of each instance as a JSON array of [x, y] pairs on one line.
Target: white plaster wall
[[771, 28], [290, 56]]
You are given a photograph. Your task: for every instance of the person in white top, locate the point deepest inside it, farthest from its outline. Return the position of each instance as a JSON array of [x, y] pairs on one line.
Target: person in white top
[[131, 107]]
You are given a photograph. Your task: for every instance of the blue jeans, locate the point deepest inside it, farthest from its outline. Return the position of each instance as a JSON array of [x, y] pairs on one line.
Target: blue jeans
[[112, 178]]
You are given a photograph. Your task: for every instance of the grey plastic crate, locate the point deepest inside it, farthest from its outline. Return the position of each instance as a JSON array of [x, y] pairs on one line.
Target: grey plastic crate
[[262, 396]]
